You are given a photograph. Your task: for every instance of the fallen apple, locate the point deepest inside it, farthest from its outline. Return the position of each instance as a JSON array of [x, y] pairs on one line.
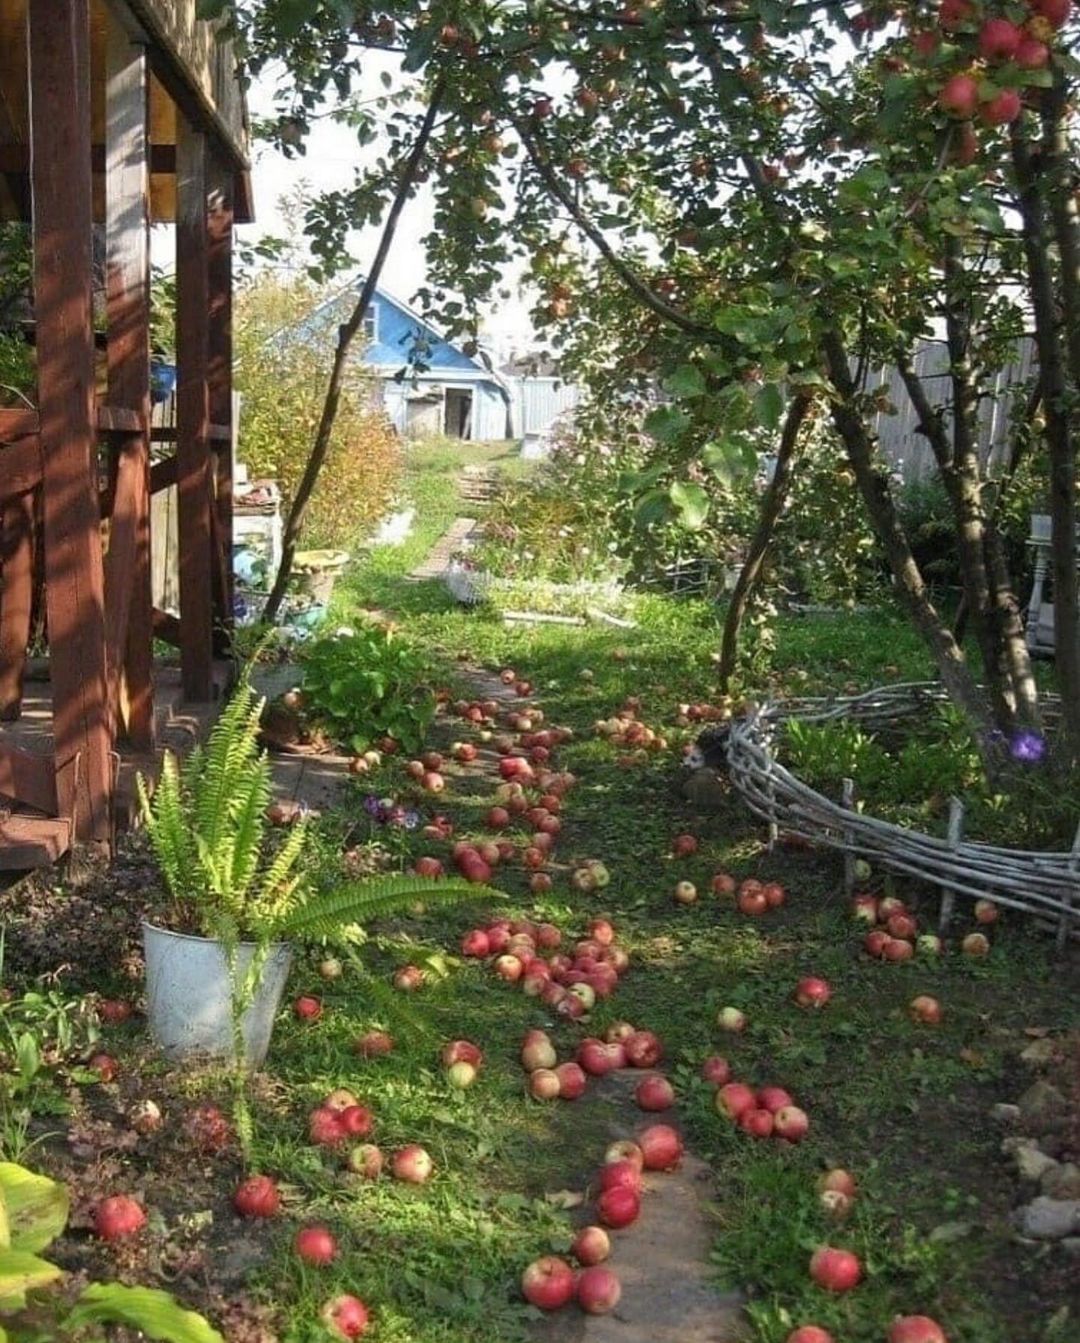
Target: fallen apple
[[925, 1010], [598, 1290], [412, 1164], [661, 1147], [916, 1329], [812, 992], [731, 1019], [548, 1283], [835, 1270], [591, 1245]]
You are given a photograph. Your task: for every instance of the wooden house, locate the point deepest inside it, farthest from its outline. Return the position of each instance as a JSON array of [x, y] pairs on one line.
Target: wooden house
[[114, 115]]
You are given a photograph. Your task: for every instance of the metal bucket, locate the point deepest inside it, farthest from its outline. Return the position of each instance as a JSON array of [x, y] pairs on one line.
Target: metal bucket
[[189, 995]]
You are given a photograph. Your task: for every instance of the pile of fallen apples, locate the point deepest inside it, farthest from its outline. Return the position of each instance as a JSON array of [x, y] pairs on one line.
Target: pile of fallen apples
[[568, 983], [627, 730], [894, 930], [551, 1282], [623, 1046]]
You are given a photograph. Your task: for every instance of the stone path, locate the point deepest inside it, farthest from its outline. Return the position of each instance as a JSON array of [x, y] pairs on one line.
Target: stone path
[[438, 558]]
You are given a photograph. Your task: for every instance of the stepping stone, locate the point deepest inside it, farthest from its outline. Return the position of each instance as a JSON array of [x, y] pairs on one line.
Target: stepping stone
[[438, 559]]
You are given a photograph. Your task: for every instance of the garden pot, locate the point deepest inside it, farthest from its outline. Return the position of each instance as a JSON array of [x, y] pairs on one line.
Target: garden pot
[[188, 993]]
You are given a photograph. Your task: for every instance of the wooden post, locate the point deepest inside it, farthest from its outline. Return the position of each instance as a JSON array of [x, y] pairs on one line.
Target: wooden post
[[220, 380], [1065, 924], [954, 834], [194, 478], [58, 42], [16, 598], [847, 801], [127, 237]]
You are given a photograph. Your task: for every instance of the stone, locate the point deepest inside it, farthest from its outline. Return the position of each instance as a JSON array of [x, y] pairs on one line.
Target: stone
[[1005, 1114], [1049, 1218], [1061, 1181], [1031, 1163], [1042, 1106], [1038, 1052]]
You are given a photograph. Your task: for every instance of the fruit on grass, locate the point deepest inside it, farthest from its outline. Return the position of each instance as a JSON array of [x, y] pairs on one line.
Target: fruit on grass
[[596, 1058], [324, 1127], [330, 968], [345, 1316], [925, 1010], [896, 949], [655, 1093], [427, 866], [475, 943], [835, 1270], [731, 1019], [812, 992], [723, 883], [840, 1180], [874, 942], [356, 1121], [916, 1329], [661, 1147], [643, 1050], [113, 1011], [902, 925], [538, 1053], [618, 1207], [864, 908], [315, 1245], [809, 1333], [208, 1129], [412, 1164], [752, 901], [791, 1123], [548, 1283], [775, 895], [734, 1099], [461, 1051], [257, 1196], [975, 944], [307, 1008], [685, 893], [758, 1123], [591, 1245], [773, 1099], [622, 1174], [716, 1070], [373, 1044], [117, 1217], [461, 1075], [598, 1290], [105, 1066], [834, 1204], [367, 1160], [986, 911], [684, 845], [544, 1084], [619, 1032], [408, 979], [572, 1081], [509, 968], [929, 944], [625, 1150]]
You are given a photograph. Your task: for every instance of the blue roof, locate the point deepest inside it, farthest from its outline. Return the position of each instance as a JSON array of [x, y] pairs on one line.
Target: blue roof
[[398, 333]]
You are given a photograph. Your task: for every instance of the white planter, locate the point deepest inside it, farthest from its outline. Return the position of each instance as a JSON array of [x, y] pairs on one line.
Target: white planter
[[189, 995]]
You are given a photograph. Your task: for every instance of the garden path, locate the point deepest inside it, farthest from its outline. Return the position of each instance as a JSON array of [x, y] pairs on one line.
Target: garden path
[[438, 558]]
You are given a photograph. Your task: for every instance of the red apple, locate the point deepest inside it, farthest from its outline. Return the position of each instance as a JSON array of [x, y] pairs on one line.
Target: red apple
[[916, 1329], [618, 1207], [315, 1245], [976, 945], [752, 903], [840, 1180], [598, 1290], [661, 1147], [734, 1099], [953, 14], [475, 943], [812, 992], [548, 1283], [373, 1044], [544, 1084], [365, 1159], [986, 911], [345, 1316], [643, 1050], [896, 950], [591, 1245], [1055, 12], [716, 1070], [118, 1217], [408, 979], [874, 942], [621, 1174], [257, 1196], [684, 845], [325, 1128], [572, 1081], [925, 1010], [835, 1270], [723, 883], [307, 1008], [773, 1099], [508, 967], [412, 1164], [791, 1123], [902, 925], [810, 1333], [999, 40], [655, 1093], [1005, 106], [959, 96]]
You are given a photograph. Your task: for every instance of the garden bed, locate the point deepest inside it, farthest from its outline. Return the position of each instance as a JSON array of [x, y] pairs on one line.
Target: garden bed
[[1044, 885]]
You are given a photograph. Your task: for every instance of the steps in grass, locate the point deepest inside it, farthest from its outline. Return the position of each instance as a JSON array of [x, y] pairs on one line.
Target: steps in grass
[[438, 558], [478, 484]]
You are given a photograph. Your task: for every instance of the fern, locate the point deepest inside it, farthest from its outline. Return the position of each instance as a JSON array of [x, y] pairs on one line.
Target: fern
[[372, 898]]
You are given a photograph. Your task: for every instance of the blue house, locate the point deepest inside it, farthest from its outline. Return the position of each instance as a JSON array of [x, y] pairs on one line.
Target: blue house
[[428, 386]]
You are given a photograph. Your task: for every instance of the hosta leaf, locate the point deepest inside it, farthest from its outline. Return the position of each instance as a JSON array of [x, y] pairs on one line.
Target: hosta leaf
[[154, 1312], [36, 1207], [20, 1273]]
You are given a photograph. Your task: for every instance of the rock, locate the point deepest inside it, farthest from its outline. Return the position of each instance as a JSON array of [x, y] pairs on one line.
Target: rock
[[1061, 1181], [1049, 1218], [1038, 1052], [1031, 1163], [1005, 1114], [1042, 1106]]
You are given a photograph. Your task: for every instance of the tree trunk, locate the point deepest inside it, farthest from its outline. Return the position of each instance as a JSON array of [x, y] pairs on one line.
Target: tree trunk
[[874, 487], [1062, 452], [772, 505], [346, 335]]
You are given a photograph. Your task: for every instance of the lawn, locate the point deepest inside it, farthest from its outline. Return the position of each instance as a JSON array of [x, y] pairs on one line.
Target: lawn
[[904, 1107]]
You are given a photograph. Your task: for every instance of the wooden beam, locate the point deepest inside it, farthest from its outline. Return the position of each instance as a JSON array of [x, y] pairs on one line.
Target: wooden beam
[[59, 50], [16, 424], [20, 467], [162, 475], [128, 588], [194, 478], [119, 419], [16, 599], [219, 373], [166, 627], [15, 159], [28, 778]]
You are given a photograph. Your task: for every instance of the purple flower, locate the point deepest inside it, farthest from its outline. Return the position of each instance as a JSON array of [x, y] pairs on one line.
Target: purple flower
[[1027, 747], [372, 805]]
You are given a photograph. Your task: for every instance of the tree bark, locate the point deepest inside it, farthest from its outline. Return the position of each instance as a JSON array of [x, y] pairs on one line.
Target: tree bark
[[772, 505], [874, 487], [1062, 452], [346, 336]]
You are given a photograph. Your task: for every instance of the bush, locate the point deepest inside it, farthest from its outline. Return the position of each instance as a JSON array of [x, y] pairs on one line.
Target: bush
[[366, 685], [283, 382]]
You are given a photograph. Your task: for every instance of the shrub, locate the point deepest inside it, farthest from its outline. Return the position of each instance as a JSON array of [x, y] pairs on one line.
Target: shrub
[[283, 381], [368, 684]]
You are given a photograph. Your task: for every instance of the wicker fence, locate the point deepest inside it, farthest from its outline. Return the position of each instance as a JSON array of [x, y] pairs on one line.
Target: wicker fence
[[1044, 885]]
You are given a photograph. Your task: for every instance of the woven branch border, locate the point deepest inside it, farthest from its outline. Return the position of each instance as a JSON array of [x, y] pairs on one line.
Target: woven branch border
[[1045, 885]]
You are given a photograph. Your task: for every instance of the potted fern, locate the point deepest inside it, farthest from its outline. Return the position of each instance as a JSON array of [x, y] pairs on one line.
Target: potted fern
[[217, 964]]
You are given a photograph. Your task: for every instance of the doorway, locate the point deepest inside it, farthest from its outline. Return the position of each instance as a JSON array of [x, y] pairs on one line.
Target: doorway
[[458, 420]]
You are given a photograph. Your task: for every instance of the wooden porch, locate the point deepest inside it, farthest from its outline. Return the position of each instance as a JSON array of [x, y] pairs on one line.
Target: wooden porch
[[116, 115]]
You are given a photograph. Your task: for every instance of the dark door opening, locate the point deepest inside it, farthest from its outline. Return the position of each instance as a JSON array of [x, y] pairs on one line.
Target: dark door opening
[[459, 405]]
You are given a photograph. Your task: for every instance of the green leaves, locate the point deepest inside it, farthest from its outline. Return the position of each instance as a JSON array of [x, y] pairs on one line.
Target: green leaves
[[691, 504], [686, 382], [667, 423], [22, 1272], [153, 1312], [769, 405], [34, 1208]]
